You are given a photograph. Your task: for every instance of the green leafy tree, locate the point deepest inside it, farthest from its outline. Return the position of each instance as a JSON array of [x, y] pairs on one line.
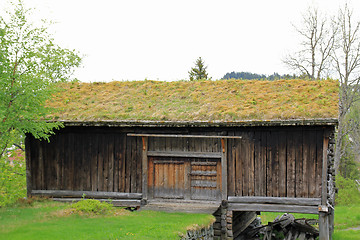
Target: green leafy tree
[[30, 66], [199, 71]]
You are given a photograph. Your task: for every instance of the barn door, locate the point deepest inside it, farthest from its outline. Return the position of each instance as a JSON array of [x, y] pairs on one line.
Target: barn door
[[205, 179], [168, 178]]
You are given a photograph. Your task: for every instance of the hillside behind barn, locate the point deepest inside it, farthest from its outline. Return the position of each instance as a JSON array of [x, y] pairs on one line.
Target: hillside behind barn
[[221, 100]]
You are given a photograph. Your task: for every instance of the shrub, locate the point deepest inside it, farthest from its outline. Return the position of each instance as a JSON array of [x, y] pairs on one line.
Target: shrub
[[92, 207], [348, 193], [12, 178]]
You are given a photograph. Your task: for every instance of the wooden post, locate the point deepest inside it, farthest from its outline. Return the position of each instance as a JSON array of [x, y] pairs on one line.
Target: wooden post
[[224, 169], [28, 165], [323, 226], [324, 232], [144, 168]]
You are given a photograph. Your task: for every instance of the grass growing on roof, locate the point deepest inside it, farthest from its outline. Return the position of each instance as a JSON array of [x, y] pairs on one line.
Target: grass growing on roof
[[226, 100]]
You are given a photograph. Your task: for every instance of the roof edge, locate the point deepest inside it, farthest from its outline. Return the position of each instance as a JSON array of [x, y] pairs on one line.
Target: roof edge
[[243, 123]]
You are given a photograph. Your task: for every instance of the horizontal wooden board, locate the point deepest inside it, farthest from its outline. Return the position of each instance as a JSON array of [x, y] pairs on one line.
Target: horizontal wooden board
[[184, 154], [90, 194], [204, 173], [117, 202], [203, 183], [276, 200], [273, 208]]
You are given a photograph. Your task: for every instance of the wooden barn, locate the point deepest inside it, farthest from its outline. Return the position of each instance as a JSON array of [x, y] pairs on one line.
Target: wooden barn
[[227, 147]]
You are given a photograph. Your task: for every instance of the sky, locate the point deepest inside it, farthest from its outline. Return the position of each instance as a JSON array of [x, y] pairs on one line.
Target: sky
[[161, 39]]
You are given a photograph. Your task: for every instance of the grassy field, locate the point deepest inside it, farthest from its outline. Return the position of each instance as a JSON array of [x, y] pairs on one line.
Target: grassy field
[[49, 220]]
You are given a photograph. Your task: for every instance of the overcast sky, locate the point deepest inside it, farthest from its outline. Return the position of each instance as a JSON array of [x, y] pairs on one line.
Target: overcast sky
[[161, 39]]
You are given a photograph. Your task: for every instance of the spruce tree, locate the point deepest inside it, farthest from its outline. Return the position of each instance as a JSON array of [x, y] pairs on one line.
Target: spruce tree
[[199, 71]]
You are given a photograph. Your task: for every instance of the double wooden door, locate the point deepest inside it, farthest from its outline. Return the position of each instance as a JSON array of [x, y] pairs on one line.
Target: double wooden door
[[184, 178]]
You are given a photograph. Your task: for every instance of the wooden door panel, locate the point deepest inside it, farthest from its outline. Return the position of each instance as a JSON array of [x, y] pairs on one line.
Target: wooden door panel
[[205, 180], [168, 179]]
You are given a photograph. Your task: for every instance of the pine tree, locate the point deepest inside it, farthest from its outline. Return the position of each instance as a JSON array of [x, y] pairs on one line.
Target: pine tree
[[199, 71]]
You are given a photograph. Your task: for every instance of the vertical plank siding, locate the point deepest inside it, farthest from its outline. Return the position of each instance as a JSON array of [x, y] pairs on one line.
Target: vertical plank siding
[[277, 162], [266, 161]]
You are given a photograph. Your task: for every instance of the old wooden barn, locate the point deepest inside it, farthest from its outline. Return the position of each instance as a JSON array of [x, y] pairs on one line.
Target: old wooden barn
[[223, 146]]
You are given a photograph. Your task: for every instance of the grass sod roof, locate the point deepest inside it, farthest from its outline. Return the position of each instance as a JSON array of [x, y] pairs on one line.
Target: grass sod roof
[[203, 101]]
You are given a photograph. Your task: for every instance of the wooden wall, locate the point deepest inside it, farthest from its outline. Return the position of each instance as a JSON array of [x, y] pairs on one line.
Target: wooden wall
[[276, 162], [267, 161], [86, 159]]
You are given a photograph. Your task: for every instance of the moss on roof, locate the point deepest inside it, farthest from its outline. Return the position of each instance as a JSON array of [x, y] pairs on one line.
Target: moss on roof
[[225, 100]]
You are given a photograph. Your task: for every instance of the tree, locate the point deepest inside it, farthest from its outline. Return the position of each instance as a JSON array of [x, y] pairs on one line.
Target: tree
[[346, 62], [332, 47], [199, 71], [30, 66], [314, 58]]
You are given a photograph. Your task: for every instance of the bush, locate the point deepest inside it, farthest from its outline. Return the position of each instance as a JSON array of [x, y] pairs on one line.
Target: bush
[[92, 207], [12, 178], [348, 193]]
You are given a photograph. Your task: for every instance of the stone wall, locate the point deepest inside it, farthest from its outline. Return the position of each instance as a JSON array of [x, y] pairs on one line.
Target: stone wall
[[206, 233]]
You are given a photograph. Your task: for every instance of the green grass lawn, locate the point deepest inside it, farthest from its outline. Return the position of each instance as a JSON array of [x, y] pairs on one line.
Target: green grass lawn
[[45, 221]]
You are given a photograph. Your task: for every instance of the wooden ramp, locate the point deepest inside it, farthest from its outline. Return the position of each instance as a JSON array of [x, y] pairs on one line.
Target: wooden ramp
[[208, 207]]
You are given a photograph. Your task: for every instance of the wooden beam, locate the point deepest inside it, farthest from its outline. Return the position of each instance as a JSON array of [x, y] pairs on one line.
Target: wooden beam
[[273, 208], [276, 200], [116, 202], [179, 136], [145, 167], [324, 172], [184, 154], [224, 169], [324, 226], [89, 194], [28, 165]]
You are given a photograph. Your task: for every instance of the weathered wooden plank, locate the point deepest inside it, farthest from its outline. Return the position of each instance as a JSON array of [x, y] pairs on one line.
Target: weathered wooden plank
[[28, 160], [208, 163], [71, 172], [101, 163], [139, 147], [223, 169], [123, 175], [203, 183], [94, 147], [239, 167], [291, 170], [324, 171], [203, 173], [244, 158], [117, 162], [306, 163], [272, 208], [115, 202], [324, 226], [319, 154], [184, 154], [269, 164], [178, 136], [110, 184], [251, 164], [299, 164], [275, 163], [282, 164], [231, 165], [89, 194], [312, 165], [145, 169], [276, 200]]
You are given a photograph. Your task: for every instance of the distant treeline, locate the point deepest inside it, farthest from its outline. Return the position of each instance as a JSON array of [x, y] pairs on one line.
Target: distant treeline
[[251, 76]]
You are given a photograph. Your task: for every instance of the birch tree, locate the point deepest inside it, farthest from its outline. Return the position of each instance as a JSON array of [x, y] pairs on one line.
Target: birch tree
[[30, 66]]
